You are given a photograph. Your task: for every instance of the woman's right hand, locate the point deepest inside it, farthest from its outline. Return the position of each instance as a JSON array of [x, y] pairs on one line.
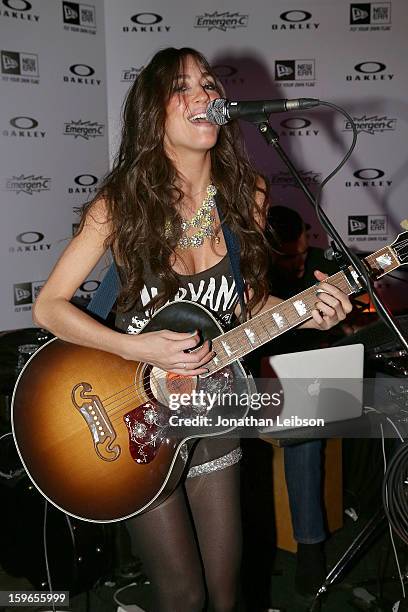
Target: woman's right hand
[[166, 350]]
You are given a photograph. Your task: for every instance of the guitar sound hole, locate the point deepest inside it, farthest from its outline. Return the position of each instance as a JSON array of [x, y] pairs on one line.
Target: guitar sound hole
[[164, 384]]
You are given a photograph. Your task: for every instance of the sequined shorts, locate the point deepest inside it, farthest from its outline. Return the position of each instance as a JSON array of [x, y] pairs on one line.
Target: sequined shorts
[[216, 464]]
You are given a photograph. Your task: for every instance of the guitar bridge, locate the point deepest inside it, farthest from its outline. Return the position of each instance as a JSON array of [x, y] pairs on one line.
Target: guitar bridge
[[92, 410]]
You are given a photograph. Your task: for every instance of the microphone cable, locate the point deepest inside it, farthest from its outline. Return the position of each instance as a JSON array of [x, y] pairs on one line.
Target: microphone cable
[[395, 491], [359, 265]]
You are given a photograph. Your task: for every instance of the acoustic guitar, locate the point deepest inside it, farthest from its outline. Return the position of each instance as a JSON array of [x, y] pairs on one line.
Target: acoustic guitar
[[92, 429]]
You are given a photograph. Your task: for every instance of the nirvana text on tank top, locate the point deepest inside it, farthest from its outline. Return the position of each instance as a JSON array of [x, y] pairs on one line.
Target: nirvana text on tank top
[[213, 288]]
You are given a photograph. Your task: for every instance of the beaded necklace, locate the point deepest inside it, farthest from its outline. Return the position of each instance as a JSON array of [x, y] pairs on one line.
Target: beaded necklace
[[203, 219]]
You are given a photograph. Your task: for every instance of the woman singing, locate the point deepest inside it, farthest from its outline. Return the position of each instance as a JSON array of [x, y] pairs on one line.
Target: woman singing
[[156, 211]]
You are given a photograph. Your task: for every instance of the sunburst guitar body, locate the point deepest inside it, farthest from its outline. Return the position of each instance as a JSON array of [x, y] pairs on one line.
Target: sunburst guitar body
[[92, 429]]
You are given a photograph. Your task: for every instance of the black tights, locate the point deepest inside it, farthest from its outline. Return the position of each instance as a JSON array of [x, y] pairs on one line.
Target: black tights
[[190, 545]]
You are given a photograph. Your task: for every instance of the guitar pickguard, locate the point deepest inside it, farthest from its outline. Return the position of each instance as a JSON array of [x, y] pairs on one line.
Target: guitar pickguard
[[147, 426], [100, 427]]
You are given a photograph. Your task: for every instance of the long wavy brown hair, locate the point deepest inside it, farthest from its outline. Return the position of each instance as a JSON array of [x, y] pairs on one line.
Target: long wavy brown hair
[[143, 188]]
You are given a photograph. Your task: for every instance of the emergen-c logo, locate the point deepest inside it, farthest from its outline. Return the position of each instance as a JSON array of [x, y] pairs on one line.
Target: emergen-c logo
[[285, 179], [28, 184], [130, 74], [221, 21], [372, 125], [84, 129]]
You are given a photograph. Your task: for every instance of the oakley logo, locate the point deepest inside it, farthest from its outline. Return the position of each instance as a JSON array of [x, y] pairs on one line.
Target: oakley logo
[[17, 5], [82, 70], [369, 174], [146, 18], [295, 16], [296, 123], [370, 67], [223, 71], [23, 123], [86, 180], [30, 237]]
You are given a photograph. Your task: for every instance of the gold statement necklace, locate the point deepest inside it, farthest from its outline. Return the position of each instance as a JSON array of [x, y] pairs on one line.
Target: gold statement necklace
[[203, 220]]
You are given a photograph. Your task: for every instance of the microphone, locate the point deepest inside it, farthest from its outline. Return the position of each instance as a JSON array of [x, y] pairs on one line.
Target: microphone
[[220, 110]]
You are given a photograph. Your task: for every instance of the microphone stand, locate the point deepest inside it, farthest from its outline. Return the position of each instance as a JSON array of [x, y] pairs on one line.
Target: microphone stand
[[365, 278], [365, 275]]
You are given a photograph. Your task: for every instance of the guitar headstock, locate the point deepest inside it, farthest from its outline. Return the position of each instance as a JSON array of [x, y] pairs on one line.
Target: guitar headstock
[[400, 248]]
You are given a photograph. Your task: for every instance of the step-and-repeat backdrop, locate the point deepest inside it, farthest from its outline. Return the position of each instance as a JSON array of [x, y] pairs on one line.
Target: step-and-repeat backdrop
[[66, 67]]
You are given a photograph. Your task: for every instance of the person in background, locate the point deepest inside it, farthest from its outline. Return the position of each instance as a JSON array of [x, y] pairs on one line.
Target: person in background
[[293, 262]]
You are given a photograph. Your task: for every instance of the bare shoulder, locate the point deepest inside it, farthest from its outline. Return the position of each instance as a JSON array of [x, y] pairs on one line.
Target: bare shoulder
[[80, 255], [97, 218]]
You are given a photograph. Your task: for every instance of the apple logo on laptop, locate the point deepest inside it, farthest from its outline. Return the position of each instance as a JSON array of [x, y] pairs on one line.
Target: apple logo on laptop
[[314, 387]]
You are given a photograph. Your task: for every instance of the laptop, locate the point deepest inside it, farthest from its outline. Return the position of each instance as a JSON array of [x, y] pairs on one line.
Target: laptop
[[324, 384]]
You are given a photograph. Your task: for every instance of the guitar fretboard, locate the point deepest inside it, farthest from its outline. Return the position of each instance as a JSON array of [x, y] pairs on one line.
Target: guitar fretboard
[[290, 313]]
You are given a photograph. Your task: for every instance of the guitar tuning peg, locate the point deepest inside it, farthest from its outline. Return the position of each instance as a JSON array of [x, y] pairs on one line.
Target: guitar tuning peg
[[404, 224]]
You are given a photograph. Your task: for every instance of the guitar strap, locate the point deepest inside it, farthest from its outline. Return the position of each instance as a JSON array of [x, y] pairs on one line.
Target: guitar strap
[[103, 300]]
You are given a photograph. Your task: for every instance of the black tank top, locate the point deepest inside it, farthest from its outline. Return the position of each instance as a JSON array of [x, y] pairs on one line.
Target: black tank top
[[213, 288]]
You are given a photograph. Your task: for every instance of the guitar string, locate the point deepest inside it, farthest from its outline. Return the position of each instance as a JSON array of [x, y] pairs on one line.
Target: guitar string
[[119, 407], [255, 324], [119, 417], [135, 389], [138, 389], [131, 396], [234, 343], [337, 277]]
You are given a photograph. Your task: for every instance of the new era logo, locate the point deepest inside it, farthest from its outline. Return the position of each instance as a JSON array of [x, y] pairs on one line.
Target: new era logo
[[19, 64], [295, 70], [79, 14], [370, 13], [367, 225]]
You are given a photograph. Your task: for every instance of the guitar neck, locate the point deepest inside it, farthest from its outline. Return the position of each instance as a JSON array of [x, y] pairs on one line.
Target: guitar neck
[[288, 314]]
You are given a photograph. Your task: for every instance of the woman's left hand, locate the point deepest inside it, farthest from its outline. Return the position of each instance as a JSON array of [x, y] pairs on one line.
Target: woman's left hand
[[332, 304]]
